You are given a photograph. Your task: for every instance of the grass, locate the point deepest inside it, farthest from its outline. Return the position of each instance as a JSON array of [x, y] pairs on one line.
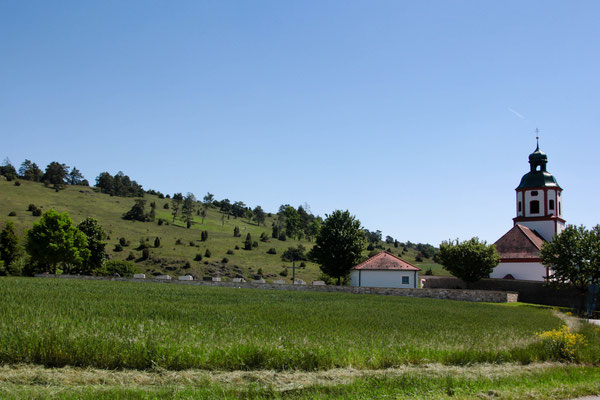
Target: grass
[[82, 202], [140, 325], [536, 381]]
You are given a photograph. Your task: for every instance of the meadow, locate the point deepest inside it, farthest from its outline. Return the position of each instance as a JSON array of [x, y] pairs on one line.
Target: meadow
[[179, 246], [143, 325]]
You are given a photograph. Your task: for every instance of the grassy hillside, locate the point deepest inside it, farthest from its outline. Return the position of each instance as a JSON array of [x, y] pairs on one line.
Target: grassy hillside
[[81, 202]]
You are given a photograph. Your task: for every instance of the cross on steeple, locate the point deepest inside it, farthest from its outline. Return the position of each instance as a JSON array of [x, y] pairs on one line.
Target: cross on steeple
[[537, 138]]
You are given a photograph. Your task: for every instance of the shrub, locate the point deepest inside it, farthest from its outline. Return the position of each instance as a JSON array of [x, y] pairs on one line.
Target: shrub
[[236, 232], [17, 183], [429, 271], [123, 242], [145, 254], [31, 207], [264, 237], [370, 247], [272, 251], [254, 244], [562, 344], [131, 256], [207, 253], [302, 264], [192, 244], [187, 265], [204, 236], [161, 221], [166, 206], [225, 260], [237, 247], [37, 212], [123, 268], [118, 247], [260, 272], [230, 251], [282, 237], [178, 242], [157, 242], [198, 257], [284, 272], [12, 214]]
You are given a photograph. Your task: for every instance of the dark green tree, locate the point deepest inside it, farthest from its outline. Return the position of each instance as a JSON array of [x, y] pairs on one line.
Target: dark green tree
[[248, 242], [30, 171], [574, 257], [236, 232], [95, 244], [56, 174], [75, 177], [54, 241], [339, 244], [176, 204], [9, 244], [470, 260], [137, 212], [204, 236], [157, 242], [294, 254], [187, 209], [259, 215], [8, 170]]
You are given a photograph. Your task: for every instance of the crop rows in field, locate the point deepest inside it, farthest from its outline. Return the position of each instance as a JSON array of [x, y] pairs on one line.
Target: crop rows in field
[[131, 325]]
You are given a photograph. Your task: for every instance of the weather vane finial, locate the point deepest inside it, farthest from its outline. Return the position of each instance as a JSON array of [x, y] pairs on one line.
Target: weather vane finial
[[537, 137]]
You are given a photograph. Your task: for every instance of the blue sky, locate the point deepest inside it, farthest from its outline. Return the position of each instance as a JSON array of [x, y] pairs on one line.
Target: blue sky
[[418, 117]]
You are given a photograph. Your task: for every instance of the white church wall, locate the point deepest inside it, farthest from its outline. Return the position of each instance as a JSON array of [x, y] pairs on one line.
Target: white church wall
[[390, 279], [530, 271], [544, 228], [529, 197]]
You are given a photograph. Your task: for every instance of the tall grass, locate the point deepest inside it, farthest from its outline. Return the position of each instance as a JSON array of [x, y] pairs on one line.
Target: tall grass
[[58, 322]]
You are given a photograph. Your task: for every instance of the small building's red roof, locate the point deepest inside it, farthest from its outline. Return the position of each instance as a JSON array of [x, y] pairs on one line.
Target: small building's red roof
[[520, 243], [386, 261]]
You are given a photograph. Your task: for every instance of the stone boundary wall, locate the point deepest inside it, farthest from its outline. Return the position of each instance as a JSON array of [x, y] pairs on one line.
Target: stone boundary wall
[[529, 291], [490, 296]]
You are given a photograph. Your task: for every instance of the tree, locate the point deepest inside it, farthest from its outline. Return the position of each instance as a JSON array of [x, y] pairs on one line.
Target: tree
[[95, 244], [176, 204], [574, 257], [54, 241], [470, 260], [9, 244], [30, 171], [75, 177], [236, 232], [203, 214], [259, 215], [339, 244], [208, 199], [157, 242], [137, 212], [294, 254], [188, 207], [248, 242], [8, 170], [292, 221], [56, 174]]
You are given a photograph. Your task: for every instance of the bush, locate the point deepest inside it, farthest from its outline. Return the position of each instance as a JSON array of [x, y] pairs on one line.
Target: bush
[[204, 236], [429, 271], [260, 272], [157, 242], [236, 232], [225, 260], [272, 251], [17, 183], [12, 214], [161, 221], [282, 237], [123, 268], [230, 252], [187, 265], [237, 247], [192, 244], [284, 272], [562, 344], [145, 253], [370, 247], [31, 207], [37, 212], [302, 264], [166, 206], [207, 253], [118, 247], [178, 242], [198, 257], [123, 242], [255, 244], [131, 256]]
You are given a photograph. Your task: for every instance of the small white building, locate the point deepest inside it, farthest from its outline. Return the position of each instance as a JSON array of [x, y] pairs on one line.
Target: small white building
[[385, 270], [539, 218]]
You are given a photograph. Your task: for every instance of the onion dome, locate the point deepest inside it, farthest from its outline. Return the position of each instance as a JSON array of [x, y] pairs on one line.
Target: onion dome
[[538, 177]]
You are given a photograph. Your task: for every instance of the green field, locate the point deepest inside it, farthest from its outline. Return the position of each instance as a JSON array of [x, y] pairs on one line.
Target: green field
[[79, 339], [81, 202], [140, 325]]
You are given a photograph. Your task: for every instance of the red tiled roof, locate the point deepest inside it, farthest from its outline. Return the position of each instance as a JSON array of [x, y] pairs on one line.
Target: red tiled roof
[[386, 261], [520, 243]]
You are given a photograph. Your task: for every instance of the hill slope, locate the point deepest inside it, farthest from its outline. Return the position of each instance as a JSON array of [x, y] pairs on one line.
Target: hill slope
[[178, 245]]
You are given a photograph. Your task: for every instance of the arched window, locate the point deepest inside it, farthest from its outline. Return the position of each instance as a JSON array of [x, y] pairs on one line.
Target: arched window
[[534, 206]]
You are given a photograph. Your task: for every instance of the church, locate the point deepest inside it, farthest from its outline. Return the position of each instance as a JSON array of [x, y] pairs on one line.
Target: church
[[539, 219]]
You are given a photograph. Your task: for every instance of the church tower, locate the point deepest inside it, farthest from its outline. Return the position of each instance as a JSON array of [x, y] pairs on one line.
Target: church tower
[[539, 199]]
